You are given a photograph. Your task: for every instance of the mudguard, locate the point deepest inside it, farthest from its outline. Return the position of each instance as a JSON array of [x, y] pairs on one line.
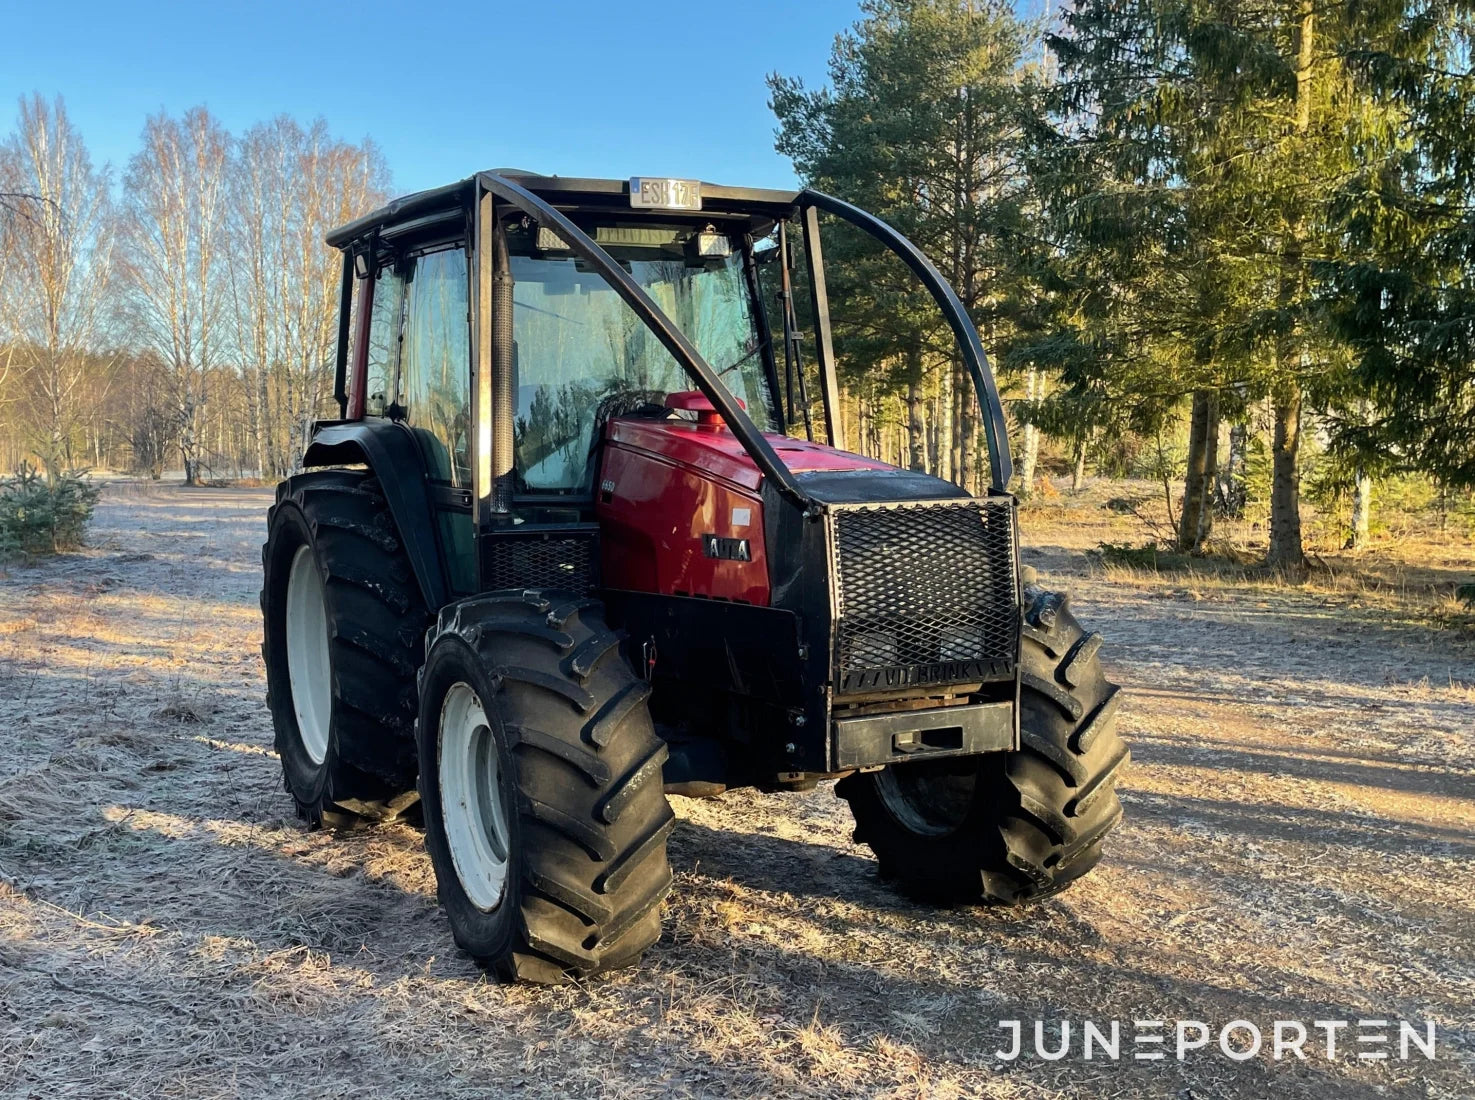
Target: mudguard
[[389, 449]]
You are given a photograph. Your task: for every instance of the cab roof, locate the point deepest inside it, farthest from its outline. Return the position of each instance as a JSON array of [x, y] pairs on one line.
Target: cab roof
[[569, 193]]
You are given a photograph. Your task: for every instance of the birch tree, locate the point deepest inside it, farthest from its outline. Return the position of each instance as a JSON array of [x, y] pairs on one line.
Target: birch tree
[[260, 179], [58, 239], [175, 201], [290, 186], [337, 182], [13, 206]]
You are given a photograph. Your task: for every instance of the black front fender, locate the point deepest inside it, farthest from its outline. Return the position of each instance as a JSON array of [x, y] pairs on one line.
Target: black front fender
[[390, 451]]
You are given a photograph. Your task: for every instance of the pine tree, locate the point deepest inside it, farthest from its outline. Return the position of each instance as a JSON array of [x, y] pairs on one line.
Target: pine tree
[[921, 123]]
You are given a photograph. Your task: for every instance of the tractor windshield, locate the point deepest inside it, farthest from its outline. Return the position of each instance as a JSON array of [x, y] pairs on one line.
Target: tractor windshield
[[582, 354]]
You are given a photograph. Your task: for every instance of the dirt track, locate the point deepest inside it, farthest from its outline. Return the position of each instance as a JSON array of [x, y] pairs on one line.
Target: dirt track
[[1299, 841]]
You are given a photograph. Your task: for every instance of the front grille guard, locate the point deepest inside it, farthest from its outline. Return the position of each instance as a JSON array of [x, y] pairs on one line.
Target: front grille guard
[[557, 557], [924, 593]]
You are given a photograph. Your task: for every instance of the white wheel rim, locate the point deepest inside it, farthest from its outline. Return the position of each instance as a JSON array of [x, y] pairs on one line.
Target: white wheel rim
[[308, 667], [471, 797]]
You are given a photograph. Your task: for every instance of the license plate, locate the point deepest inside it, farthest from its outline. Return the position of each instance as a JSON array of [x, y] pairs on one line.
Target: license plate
[[665, 194]]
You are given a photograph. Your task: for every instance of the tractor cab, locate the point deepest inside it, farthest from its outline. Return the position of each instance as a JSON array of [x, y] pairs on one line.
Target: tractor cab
[[585, 534]]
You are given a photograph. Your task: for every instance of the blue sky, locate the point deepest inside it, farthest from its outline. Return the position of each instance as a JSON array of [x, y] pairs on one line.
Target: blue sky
[[565, 86]]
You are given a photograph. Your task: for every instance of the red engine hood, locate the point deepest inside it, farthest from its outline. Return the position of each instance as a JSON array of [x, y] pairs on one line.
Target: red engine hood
[[716, 450]]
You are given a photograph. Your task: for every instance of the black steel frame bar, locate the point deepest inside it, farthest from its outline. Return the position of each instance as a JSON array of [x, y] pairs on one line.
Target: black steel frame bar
[[345, 311], [995, 428], [824, 340]]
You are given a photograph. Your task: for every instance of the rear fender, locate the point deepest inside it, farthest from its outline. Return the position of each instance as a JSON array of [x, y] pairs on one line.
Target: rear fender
[[390, 451]]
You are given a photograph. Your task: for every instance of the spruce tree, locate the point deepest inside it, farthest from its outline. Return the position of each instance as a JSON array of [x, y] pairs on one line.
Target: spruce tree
[[1403, 293], [1218, 135]]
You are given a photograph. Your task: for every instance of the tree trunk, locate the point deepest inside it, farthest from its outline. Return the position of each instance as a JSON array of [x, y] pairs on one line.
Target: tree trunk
[[934, 453], [947, 469], [1211, 473], [1029, 452], [1232, 490], [959, 425], [254, 431], [1196, 521], [1078, 478], [1285, 490], [971, 476], [188, 446], [1285, 485], [1362, 507], [1193, 478], [916, 430]]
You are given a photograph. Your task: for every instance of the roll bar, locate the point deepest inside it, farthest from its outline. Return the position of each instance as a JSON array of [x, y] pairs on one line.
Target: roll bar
[[1001, 466], [506, 190]]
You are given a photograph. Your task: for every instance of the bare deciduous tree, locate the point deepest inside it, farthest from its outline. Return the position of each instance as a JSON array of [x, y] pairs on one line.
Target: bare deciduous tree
[[176, 207], [227, 295], [58, 240], [290, 186], [13, 206], [259, 179]]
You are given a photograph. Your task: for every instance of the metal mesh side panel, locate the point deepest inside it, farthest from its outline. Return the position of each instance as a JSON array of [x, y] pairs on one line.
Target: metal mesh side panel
[[557, 562], [924, 590]]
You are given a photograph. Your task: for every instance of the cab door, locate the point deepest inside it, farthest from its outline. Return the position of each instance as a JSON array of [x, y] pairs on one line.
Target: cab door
[[434, 394]]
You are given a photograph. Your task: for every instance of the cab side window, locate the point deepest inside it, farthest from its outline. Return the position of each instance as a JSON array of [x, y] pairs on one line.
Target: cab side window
[[435, 363], [384, 332], [435, 394]]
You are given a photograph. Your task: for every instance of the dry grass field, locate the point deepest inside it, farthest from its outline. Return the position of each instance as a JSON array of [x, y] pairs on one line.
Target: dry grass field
[[1298, 845]]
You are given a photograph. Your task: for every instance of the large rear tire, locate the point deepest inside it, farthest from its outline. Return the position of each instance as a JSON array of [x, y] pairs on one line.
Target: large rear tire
[[540, 783], [344, 627], [1008, 828]]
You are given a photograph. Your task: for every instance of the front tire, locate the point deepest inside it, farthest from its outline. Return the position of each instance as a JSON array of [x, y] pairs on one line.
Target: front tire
[[1008, 828], [344, 626], [540, 783]]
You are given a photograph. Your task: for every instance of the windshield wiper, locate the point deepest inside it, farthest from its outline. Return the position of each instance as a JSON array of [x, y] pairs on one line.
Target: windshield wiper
[[735, 365]]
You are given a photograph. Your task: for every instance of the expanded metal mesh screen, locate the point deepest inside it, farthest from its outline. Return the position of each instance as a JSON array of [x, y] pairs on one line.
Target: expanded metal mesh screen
[[558, 562], [926, 593]]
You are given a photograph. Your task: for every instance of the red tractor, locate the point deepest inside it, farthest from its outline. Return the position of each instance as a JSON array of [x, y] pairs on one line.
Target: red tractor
[[572, 547]]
